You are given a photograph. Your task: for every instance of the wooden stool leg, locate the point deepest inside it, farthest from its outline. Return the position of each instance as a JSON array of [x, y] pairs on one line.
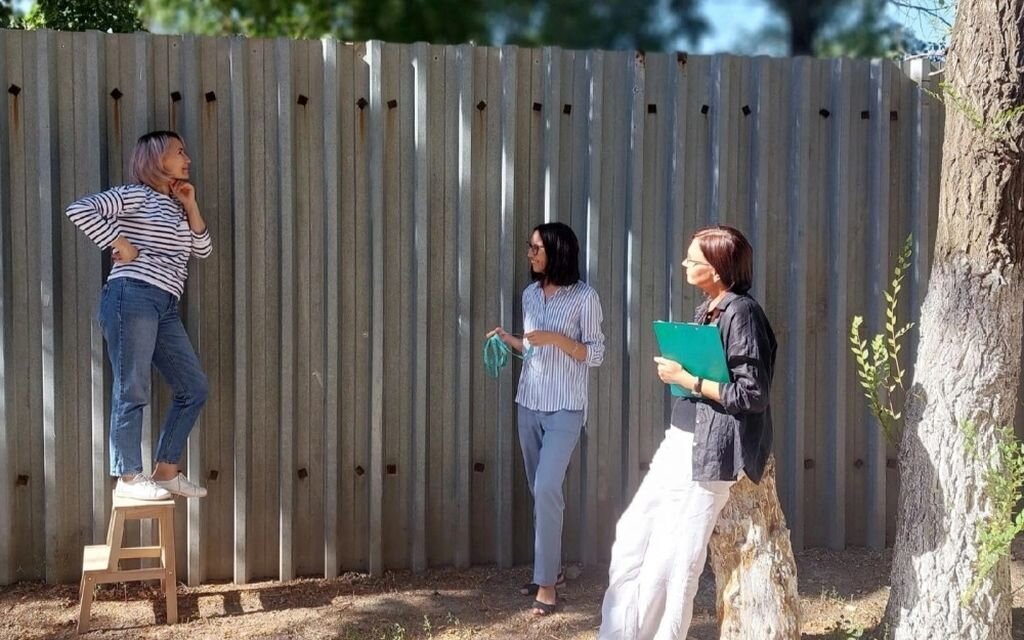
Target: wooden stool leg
[[110, 527], [114, 537], [86, 590], [169, 563]]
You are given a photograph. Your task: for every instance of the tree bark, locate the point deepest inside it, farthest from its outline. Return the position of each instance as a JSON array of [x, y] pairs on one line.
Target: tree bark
[[969, 354], [752, 558]]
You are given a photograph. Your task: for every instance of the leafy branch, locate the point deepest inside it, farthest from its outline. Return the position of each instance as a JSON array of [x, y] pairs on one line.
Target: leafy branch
[[1003, 483], [998, 127], [878, 365]]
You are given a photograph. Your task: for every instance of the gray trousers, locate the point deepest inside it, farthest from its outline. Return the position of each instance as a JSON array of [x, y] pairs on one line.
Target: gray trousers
[[547, 439]]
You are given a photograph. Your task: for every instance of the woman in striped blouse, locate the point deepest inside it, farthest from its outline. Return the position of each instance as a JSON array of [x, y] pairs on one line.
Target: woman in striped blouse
[[153, 226], [562, 323]]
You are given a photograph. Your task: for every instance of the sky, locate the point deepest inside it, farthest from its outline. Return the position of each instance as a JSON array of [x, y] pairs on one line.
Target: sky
[[732, 20], [728, 20]]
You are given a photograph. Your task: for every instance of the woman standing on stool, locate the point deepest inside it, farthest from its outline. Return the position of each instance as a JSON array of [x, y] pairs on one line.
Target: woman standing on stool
[[661, 540], [562, 323], [153, 227]]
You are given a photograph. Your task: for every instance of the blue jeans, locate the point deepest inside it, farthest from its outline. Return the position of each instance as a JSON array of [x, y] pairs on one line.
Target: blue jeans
[[547, 439], [142, 328]]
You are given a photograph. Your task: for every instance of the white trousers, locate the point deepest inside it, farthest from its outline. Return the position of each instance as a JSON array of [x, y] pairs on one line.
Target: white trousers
[[660, 547]]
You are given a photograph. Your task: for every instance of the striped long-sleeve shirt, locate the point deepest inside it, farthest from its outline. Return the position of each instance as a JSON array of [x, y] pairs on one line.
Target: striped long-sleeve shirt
[[551, 380], [154, 223]]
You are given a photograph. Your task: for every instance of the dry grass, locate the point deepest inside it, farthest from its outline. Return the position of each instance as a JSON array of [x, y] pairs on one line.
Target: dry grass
[[842, 593]]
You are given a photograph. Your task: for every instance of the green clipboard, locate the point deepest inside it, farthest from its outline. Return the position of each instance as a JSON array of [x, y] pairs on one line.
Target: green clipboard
[[698, 347]]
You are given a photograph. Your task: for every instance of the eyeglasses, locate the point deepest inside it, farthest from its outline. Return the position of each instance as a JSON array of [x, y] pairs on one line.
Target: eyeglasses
[[690, 262], [534, 249]]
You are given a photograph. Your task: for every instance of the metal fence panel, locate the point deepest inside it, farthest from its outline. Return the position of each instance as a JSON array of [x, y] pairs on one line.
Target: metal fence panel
[[369, 204]]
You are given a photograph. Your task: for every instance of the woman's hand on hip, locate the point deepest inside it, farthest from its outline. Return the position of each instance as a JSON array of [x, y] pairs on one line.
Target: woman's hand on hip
[[123, 250]]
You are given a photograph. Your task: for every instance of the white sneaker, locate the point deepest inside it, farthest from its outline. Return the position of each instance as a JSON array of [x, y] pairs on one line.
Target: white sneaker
[[141, 487], [181, 486]]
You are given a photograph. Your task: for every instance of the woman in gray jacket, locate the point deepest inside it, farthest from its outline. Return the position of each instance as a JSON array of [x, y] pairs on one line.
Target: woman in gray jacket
[[723, 431]]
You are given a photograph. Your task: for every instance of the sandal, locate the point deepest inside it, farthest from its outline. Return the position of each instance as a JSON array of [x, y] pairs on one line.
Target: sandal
[[539, 608], [531, 588]]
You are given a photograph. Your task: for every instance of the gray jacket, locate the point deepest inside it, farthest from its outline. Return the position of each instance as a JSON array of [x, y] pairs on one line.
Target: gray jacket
[[734, 434]]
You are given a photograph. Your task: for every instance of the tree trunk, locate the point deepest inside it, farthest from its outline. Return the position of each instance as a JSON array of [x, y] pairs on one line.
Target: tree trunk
[[801, 36], [969, 355], [752, 558], [805, 20]]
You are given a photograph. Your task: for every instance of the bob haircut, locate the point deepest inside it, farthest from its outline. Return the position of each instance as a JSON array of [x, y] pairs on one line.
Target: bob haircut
[[729, 253], [146, 165], [563, 252]]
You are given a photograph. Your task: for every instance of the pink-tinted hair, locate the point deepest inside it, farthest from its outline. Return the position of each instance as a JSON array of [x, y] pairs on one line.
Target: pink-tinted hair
[[146, 165]]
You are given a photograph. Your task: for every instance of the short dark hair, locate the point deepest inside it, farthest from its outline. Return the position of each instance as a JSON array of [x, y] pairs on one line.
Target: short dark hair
[[729, 253], [563, 253]]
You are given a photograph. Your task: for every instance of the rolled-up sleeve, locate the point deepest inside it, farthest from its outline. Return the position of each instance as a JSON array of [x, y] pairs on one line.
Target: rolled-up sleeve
[[748, 352], [590, 329], [96, 216], [202, 244]]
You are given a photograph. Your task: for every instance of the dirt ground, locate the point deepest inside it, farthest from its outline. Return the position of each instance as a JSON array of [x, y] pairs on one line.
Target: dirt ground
[[842, 594]]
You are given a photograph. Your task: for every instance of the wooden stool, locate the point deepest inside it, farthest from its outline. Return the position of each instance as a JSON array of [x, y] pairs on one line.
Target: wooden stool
[[100, 562]]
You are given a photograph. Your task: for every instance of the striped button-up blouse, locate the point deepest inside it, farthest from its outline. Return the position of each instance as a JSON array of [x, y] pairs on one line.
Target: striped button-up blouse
[[551, 380]]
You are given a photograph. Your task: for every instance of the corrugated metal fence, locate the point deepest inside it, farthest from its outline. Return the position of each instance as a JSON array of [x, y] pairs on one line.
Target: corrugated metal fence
[[369, 205]]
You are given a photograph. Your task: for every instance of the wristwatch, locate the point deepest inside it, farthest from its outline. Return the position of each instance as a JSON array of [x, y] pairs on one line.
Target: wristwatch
[[696, 388]]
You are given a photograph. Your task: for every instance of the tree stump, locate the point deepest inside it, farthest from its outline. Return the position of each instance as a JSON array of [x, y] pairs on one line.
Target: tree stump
[[752, 558]]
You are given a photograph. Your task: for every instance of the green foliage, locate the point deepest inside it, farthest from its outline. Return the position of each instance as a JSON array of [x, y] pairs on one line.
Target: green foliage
[[838, 28], [7, 17], [591, 24], [864, 30], [567, 23], [878, 367], [1003, 484], [1004, 126], [832, 28], [970, 431], [257, 18], [117, 16], [954, 100], [439, 21]]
